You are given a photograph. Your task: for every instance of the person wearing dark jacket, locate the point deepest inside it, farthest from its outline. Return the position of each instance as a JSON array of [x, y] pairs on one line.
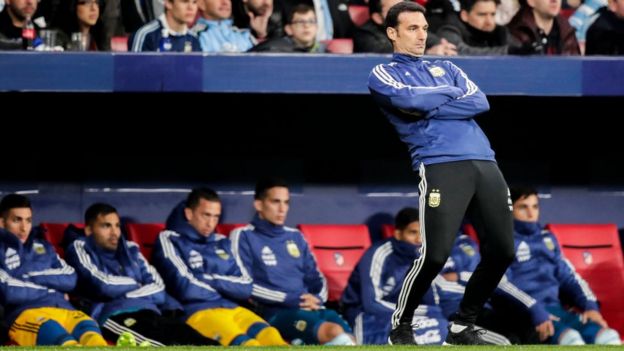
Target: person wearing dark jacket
[[476, 32], [432, 105], [301, 30], [540, 25], [124, 289], [606, 35]]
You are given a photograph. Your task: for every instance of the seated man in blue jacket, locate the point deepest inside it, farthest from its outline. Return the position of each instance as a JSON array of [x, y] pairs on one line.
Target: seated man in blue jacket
[[122, 286], [200, 271], [288, 290], [374, 286], [34, 282], [541, 271]]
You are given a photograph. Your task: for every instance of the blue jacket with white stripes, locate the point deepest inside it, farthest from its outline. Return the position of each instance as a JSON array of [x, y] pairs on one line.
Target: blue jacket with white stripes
[[432, 105], [541, 271], [281, 264], [147, 38], [115, 281], [463, 261], [375, 283], [32, 275], [199, 271]]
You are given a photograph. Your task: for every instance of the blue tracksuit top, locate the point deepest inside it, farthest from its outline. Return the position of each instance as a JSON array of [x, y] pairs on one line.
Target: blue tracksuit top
[[115, 281], [541, 271], [32, 275], [463, 260], [432, 105], [200, 272], [147, 38], [280, 262], [375, 283]]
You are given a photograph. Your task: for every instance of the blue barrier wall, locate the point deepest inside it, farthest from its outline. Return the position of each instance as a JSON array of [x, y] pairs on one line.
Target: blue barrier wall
[[309, 203], [327, 74]]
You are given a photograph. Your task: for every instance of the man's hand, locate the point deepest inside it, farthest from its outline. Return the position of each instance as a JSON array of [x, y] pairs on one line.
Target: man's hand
[[546, 329], [259, 23], [594, 316], [309, 302], [443, 49]]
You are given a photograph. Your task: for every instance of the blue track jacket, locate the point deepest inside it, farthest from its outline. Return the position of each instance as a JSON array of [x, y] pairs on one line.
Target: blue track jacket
[[541, 271], [199, 271], [280, 263], [115, 281], [32, 275], [432, 105]]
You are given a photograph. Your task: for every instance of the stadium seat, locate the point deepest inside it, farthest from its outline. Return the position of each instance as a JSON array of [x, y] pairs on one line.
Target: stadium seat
[[144, 234], [469, 230], [339, 46], [596, 253], [119, 44], [359, 14], [338, 248], [53, 233], [387, 231], [226, 228]]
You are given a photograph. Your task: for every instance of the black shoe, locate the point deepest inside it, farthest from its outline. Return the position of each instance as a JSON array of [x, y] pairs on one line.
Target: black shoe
[[403, 334], [468, 336]]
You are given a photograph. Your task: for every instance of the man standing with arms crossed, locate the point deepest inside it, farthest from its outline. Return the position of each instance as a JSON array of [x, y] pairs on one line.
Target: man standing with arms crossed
[[432, 106]]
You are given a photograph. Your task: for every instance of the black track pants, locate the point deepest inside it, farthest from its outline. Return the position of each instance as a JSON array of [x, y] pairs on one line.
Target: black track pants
[[448, 192]]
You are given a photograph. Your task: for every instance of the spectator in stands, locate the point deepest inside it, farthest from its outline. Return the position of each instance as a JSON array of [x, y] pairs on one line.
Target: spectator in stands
[[432, 106], [583, 18], [371, 36], [289, 290], [123, 288], [332, 16], [541, 271], [259, 17], [170, 31], [82, 16], [539, 24], [34, 282], [12, 19], [301, 34], [476, 33], [200, 271], [606, 35], [216, 30]]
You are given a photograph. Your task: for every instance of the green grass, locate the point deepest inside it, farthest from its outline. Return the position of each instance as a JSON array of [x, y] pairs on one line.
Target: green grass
[[346, 348]]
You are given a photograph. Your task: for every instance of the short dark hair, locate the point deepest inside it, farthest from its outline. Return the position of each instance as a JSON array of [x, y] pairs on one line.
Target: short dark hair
[[406, 216], [392, 18], [98, 208], [264, 184], [520, 192], [195, 196], [469, 4], [300, 9], [12, 201]]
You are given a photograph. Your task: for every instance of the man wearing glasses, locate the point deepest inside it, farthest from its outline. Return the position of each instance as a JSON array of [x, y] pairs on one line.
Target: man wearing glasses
[[301, 29]]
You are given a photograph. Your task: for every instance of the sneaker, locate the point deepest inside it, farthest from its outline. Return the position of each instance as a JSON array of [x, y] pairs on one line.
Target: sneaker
[[126, 339], [468, 336], [403, 334]]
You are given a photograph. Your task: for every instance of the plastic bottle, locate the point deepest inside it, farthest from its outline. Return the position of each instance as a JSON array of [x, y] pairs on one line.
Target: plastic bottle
[[28, 34]]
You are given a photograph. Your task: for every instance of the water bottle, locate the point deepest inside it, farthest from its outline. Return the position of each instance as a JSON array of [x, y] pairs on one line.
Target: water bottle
[[165, 42], [28, 34]]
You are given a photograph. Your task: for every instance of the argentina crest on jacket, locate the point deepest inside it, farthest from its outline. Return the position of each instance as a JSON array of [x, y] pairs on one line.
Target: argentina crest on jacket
[[292, 249]]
